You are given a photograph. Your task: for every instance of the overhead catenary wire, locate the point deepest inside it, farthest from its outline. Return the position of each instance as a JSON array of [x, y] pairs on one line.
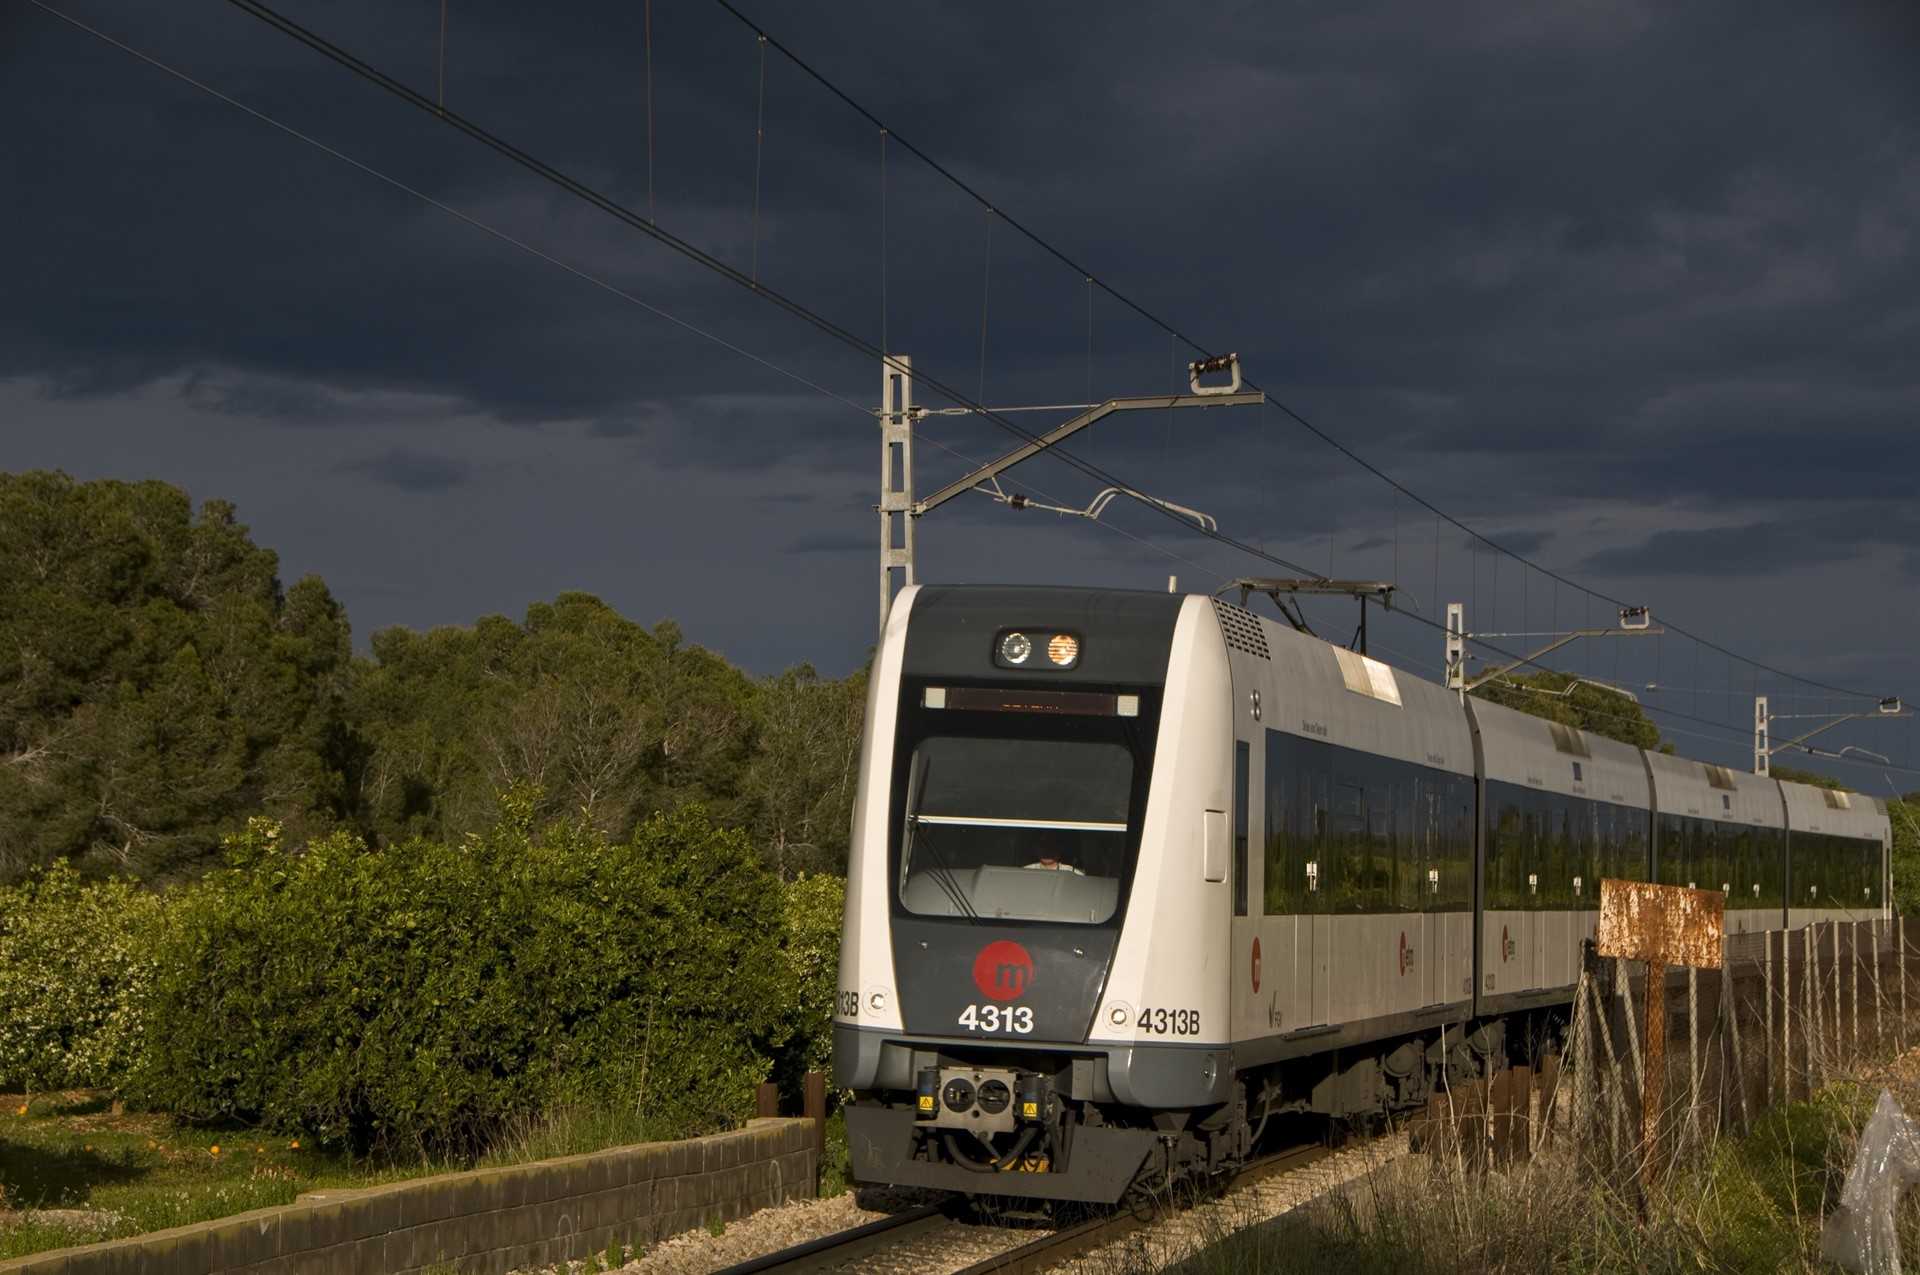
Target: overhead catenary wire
[[831, 328], [1173, 330], [484, 227], [700, 256], [736, 349], [550, 259]]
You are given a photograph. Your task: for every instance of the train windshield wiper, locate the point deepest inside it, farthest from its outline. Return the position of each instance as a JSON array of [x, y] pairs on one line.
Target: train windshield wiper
[[917, 839]]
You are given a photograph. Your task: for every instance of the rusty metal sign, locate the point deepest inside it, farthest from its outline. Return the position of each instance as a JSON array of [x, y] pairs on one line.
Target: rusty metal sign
[[1662, 924]]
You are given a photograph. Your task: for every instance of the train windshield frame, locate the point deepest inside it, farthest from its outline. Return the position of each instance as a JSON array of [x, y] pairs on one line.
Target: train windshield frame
[[1024, 812]]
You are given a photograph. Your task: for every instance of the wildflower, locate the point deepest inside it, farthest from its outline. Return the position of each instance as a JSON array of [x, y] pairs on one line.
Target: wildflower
[[294, 1145], [22, 1111], [214, 1149]]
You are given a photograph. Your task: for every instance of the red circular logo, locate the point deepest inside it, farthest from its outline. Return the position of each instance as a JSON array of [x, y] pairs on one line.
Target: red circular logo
[[1256, 966], [1003, 970]]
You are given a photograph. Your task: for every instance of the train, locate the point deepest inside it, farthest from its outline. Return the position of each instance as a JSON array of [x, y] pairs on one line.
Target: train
[[1133, 874]]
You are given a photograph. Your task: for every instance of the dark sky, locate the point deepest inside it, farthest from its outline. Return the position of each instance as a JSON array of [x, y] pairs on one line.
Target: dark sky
[[1633, 288]]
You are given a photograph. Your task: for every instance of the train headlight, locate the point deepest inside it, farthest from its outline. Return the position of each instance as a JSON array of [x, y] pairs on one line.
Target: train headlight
[[1063, 649], [1015, 648]]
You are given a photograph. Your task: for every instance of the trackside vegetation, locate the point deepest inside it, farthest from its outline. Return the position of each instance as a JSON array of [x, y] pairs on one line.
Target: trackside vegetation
[[1751, 1203], [275, 915]]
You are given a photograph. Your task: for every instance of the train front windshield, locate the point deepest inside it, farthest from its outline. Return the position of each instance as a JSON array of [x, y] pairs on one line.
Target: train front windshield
[[1017, 816]]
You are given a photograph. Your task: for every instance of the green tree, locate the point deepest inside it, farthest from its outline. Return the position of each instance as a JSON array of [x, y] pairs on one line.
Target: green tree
[[800, 781], [1561, 698], [609, 721], [156, 682], [1905, 817]]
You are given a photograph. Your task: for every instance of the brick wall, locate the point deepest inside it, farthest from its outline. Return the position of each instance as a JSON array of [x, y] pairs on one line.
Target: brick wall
[[488, 1220]]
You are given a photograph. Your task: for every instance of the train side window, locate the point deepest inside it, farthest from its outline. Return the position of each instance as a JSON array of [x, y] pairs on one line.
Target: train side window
[[1242, 780]]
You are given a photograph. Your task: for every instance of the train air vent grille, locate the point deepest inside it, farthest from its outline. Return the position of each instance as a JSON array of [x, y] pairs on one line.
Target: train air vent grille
[[1837, 800], [1242, 628], [1718, 776]]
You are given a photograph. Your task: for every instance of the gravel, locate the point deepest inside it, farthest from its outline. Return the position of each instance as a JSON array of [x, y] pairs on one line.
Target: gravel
[[1160, 1244]]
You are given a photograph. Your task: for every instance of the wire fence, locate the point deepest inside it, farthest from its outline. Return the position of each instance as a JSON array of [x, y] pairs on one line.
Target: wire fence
[[1787, 1012]]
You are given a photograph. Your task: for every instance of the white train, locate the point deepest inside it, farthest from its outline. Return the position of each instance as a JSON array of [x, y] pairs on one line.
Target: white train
[[1132, 873]]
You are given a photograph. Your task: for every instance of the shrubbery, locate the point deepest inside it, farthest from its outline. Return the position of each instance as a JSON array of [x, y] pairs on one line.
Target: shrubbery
[[812, 975], [422, 997], [75, 962], [427, 998]]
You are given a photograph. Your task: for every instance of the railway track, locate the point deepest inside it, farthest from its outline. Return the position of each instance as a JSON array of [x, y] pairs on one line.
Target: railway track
[[913, 1240]]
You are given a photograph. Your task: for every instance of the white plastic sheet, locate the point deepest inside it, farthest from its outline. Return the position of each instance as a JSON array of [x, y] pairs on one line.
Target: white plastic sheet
[[1859, 1235]]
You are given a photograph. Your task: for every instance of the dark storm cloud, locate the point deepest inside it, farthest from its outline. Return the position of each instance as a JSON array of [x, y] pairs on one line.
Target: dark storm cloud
[[831, 542], [411, 470], [1836, 534], [1532, 260]]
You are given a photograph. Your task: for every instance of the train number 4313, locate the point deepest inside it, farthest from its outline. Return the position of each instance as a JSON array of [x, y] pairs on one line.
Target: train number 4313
[[1014, 1019]]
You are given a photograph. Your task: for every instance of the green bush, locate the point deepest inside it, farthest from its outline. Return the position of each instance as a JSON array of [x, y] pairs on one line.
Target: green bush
[[811, 953], [427, 997], [76, 958]]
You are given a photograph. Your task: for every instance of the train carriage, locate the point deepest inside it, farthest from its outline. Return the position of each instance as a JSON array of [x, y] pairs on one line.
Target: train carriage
[[1132, 874], [1561, 808], [1840, 845], [1720, 829]]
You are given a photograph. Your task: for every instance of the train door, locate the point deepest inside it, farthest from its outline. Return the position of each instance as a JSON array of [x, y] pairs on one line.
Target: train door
[[1434, 942], [1313, 942], [1554, 934], [1247, 966]]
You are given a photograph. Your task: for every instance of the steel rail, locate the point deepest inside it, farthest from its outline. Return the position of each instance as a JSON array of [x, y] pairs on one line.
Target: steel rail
[[843, 1246], [1074, 1241]]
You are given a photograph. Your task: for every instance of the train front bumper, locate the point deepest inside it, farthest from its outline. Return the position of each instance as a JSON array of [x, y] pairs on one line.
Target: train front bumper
[[1099, 1165]]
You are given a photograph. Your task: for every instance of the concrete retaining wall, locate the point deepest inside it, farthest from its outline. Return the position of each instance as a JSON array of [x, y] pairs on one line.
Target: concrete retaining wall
[[488, 1220]]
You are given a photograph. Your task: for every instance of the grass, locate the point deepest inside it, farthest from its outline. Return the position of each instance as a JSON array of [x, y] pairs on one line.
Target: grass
[[1747, 1203], [836, 1166], [72, 1171]]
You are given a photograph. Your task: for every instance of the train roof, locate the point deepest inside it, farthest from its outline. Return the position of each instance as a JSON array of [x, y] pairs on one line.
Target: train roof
[[1683, 786], [1350, 700], [1833, 812], [1520, 748]]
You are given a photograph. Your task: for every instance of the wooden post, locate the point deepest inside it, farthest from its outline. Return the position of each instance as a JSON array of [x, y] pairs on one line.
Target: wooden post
[[1839, 1027], [1767, 971], [1580, 1122], [766, 1099], [1879, 947], [1616, 1112], [1624, 983], [1853, 976], [1693, 1055], [814, 1108], [1810, 981], [1520, 1095], [1730, 1011], [1786, 1017], [1549, 1087], [1653, 1093]]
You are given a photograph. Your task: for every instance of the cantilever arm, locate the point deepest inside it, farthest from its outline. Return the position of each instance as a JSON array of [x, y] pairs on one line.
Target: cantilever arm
[[1067, 429]]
